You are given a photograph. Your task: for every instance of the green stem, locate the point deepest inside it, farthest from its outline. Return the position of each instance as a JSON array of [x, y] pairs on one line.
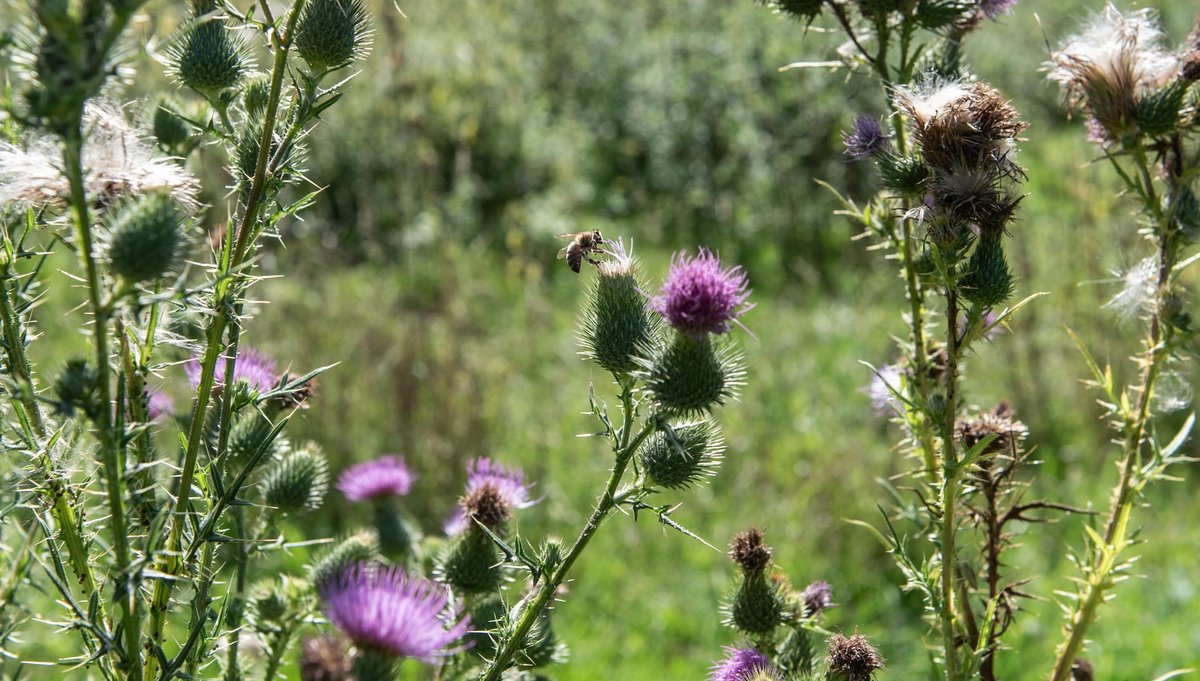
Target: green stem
[[949, 485], [111, 451], [608, 501]]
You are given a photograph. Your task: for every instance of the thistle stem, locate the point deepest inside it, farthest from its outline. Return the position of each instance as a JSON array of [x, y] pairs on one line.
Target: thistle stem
[[608, 501], [949, 490]]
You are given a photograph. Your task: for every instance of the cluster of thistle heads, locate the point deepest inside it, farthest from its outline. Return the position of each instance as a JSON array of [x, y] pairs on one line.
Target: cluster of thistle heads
[[779, 625]]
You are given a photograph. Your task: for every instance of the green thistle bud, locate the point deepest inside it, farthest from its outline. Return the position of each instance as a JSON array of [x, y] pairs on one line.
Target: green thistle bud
[[298, 481], [1187, 212], [356, 548], [804, 10], [797, 654], [988, 281], [210, 57], [680, 456], [145, 238], [542, 647], [617, 326], [552, 554], [487, 615], [904, 175], [374, 665], [255, 96], [251, 432], [934, 15], [471, 564], [331, 33], [398, 538], [269, 605], [76, 387], [758, 605], [1158, 113], [692, 376], [171, 131]]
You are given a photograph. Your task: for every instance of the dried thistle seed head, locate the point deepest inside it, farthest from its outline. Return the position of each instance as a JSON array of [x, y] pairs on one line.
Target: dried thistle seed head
[[1190, 70], [332, 33], [1115, 62], [488, 505], [145, 238], [852, 658], [1001, 422], [749, 550], [956, 125], [324, 658]]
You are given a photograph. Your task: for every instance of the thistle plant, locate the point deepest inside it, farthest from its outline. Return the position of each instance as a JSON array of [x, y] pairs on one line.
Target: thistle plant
[[1138, 97], [150, 548]]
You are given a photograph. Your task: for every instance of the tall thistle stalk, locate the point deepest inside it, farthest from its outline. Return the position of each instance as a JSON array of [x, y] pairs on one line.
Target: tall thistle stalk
[[1134, 92]]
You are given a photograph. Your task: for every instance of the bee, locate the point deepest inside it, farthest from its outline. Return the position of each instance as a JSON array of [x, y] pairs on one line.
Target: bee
[[582, 244]]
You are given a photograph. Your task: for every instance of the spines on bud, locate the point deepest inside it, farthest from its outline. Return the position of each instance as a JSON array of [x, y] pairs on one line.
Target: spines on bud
[[298, 481], [617, 326], [145, 238], [357, 548], [471, 564], [210, 58], [682, 455], [904, 175], [76, 387], [689, 376], [170, 130], [255, 96], [804, 10], [332, 33], [988, 281], [758, 605]]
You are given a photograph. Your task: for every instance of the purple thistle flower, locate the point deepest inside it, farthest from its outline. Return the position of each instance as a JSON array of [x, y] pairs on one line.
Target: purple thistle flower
[[740, 664], [159, 405], [386, 476], [882, 389], [509, 481], [254, 368], [381, 608], [817, 597], [994, 8], [866, 138], [699, 296]]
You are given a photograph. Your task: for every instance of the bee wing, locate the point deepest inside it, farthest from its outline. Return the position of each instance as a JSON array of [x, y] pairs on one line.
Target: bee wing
[[563, 253]]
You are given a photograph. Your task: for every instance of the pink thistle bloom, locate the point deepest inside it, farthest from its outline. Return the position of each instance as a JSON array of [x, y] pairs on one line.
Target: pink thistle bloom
[[699, 296], [256, 369], [509, 481], [381, 608], [386, 476], [740, 664]]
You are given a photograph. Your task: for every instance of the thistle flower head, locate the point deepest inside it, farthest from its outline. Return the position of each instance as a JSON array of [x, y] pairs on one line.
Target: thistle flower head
[[118, 163], [1115, 62], [885, 383], [1000, 422], [852, 658], [817, 596], [700, 296], [507, 484], [386, 476], [382, 609], [749, 551], [486, 505], [959, 126], [159, 405], [866, 138], [994, 8], [256, 369], [621, 262], [740, 664], [324, 658]]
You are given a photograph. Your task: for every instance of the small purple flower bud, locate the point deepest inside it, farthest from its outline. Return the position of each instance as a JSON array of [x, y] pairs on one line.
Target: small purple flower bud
[[817, 596], [382, 609], [994, 8], [866, 138], [159, 405], [699, 296], [740, 664], [256, 369], [385, 476]]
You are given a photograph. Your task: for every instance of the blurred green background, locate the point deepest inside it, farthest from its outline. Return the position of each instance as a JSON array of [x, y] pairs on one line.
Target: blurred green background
[[476, 131]]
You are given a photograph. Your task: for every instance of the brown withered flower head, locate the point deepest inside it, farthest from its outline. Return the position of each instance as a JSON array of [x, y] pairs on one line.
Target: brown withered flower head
[[852, 658], [959, 125], [488, 505], [1001, 422], [749, 551]]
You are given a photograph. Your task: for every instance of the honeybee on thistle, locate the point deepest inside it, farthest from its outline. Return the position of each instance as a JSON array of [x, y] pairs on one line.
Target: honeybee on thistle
[[582, 244]]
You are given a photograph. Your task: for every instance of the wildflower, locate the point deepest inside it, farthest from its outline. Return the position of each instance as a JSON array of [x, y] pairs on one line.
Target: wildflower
[[960, 127], [1137, 293], [620, 263], [386, 476], [384, 610], [699, 296], [817, 596], [994, 8], [749, 551], [758, 605], [256, 369], [1113, 64], [852, 658], [740, 664], [865, 139], [324, 658], [159, 405], [885, 384], [508, 488]]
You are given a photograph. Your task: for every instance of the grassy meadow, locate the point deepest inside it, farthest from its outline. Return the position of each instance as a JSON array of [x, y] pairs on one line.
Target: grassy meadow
[[477, 131]]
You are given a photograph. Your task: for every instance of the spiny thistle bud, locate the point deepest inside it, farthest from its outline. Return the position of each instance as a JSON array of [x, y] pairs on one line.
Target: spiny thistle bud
[[331, 33], [1187, 212], [816, 597], [298, 481], [852, 659], [796, 653], [171, 131], [269, 604], [210, 58], [254, 98], [471, 564], [356, 548], [938, 14], [542, 647], [374, 665], [489, 614], [740, 664], [251, 432], [867, 138], [677, 457], [804, 10], [552, 553], [398, 538], [689, 376], [76, 387], [904, 175], [1000, 422], [988, 281], [617, 325], [1158, 112], [145, 238], [324, 658], [750, 552]]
